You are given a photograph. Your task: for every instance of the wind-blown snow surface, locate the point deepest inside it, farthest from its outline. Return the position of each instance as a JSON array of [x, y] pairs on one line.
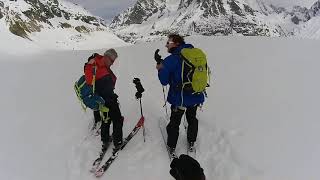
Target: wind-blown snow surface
[[260, 121]]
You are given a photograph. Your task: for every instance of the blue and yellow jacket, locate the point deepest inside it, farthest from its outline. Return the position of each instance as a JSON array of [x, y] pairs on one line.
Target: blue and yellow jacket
[[170, 74]]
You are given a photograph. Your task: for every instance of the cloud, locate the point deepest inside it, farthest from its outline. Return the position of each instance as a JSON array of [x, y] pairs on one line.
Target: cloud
[[105, 8]]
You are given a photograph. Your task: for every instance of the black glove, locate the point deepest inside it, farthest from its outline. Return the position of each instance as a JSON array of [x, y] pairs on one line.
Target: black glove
[[186, 168], [138, 95], [157, 57], [139, 87]]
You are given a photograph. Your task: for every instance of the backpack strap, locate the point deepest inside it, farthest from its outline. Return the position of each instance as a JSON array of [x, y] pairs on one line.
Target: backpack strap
[[183, 84], [77, 90], [102, 108], [94, 78]]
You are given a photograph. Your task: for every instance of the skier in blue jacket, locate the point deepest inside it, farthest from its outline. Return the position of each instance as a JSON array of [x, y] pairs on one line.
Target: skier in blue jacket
[[169, 72]]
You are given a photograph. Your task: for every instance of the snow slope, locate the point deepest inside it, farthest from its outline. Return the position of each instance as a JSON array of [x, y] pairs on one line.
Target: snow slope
[[260, 121], [62, 25], [57, 39], [11, 43], [311, 29]]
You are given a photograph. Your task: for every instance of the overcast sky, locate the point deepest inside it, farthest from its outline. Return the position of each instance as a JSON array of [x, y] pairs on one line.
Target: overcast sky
[[107, 9]]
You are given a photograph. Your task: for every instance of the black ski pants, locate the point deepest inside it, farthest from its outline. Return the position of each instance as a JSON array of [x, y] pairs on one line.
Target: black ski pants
[[175, 120], [97, 117], [117, 123]]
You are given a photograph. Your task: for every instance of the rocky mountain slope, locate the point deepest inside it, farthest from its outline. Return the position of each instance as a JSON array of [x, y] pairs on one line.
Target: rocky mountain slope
[[151, 19], [51, 22]]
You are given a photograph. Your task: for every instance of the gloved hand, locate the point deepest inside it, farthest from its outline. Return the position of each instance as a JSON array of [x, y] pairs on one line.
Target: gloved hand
[[138, 95], [186, 168], [136, 81], [157, 57], [139, 87]]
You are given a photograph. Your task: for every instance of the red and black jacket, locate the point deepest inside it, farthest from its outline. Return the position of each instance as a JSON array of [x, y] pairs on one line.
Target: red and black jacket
[[105, 79]]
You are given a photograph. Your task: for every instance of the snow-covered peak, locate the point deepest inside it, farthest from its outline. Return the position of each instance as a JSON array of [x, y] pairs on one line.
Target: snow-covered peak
[[311, 28], [299, 14], [34, 15], [149, 19], [53, 24], [140, 12], [315, 9]]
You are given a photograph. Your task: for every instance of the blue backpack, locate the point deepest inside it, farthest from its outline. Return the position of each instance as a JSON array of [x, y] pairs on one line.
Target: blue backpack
[[86, 95], [88, 98]]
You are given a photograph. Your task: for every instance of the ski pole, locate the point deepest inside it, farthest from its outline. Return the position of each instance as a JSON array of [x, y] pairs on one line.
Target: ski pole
[[158, 59], [144, 129], [165, 101], [141, 107], [138, 95]]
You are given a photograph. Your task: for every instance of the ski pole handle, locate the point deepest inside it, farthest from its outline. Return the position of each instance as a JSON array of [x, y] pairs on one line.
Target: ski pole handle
[[139, 88], [157, 57]]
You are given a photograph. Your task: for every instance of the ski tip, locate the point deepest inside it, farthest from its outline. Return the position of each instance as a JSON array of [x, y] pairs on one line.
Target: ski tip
[[99, 173], [95, 166]]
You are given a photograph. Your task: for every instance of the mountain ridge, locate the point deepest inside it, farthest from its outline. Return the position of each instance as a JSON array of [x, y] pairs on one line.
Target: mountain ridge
[[152, 19], [149, 20]]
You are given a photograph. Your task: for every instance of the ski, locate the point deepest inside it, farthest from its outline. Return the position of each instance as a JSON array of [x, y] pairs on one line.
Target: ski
[[162, 125], [97, 162], [115, 152]]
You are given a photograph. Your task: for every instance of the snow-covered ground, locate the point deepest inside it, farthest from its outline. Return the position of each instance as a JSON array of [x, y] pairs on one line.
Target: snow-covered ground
[[260, 121]]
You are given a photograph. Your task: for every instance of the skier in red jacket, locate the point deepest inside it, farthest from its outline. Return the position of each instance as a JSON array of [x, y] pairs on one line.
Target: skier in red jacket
[[104, 84]]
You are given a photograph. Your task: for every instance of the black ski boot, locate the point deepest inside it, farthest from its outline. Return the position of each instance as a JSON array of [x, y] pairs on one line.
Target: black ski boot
[[191, 147], [172, 152]]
